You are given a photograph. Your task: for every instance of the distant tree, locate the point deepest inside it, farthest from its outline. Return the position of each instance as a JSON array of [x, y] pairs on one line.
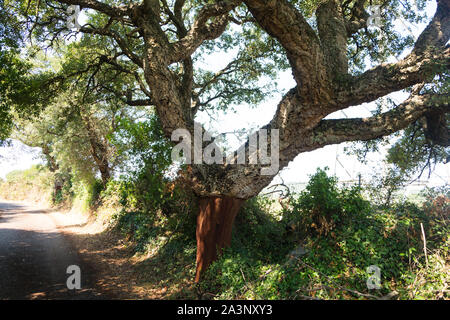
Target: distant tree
[[74, 136]]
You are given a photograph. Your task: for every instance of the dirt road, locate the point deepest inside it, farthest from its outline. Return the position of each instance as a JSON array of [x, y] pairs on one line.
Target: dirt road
[[34, 257]]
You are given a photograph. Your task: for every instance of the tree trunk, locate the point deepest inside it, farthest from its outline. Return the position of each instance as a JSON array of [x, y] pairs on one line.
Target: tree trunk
[[104, 172], [214, 226], [99, 149]]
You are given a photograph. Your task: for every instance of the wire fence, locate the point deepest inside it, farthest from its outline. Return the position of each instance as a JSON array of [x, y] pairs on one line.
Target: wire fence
[[281, 190]]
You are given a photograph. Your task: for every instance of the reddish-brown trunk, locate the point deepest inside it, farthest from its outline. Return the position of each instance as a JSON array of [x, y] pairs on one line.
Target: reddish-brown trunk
[[214, 226]]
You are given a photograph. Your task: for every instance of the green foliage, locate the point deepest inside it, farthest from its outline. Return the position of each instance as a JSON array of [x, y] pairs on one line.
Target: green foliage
[[74, 106], [12, 68], [21, 92], [333, 264], [34, 183], [253, 222], [410, 152], [146, 159], [322, 206], [142, 144], [156, 204], [73, 132], [175, 221], [94, 192], [8, 76]]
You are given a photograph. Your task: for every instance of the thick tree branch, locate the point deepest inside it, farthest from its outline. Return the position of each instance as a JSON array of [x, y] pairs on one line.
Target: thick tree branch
[[121, 42], [388, 78], [437, 33], [112, 11], [429, 57], [358, 18], [284, 22], [244, 181], [333, 36], [202, 31], [341, 130], [152, 5]]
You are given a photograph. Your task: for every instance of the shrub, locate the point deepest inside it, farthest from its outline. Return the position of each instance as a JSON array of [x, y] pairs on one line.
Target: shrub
[[174, 215], [34, 184], [340, 235], [322, 206]]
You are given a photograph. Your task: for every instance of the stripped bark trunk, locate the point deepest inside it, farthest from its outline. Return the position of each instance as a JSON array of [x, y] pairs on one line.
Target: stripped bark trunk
[[214, 226]]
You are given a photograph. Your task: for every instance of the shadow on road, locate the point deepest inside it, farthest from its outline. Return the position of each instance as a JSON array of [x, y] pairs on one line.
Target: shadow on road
[[34, 258]]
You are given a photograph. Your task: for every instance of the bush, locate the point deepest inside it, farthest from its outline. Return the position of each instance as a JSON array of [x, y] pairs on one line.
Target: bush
[[175, 216], [33, 184], [322, 206], [336, 235], [257, 231], [156, 203]]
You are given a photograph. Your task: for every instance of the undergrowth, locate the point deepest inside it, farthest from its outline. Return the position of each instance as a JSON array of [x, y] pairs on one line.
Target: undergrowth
[[316, 244], [325, 242]]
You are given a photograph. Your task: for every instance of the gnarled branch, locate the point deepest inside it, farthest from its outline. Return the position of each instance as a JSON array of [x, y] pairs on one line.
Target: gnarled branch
[[420, 65], [335, 131], [202, 31]]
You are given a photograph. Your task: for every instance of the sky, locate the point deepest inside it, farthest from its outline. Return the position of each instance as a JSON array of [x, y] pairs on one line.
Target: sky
[[344, 167]]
